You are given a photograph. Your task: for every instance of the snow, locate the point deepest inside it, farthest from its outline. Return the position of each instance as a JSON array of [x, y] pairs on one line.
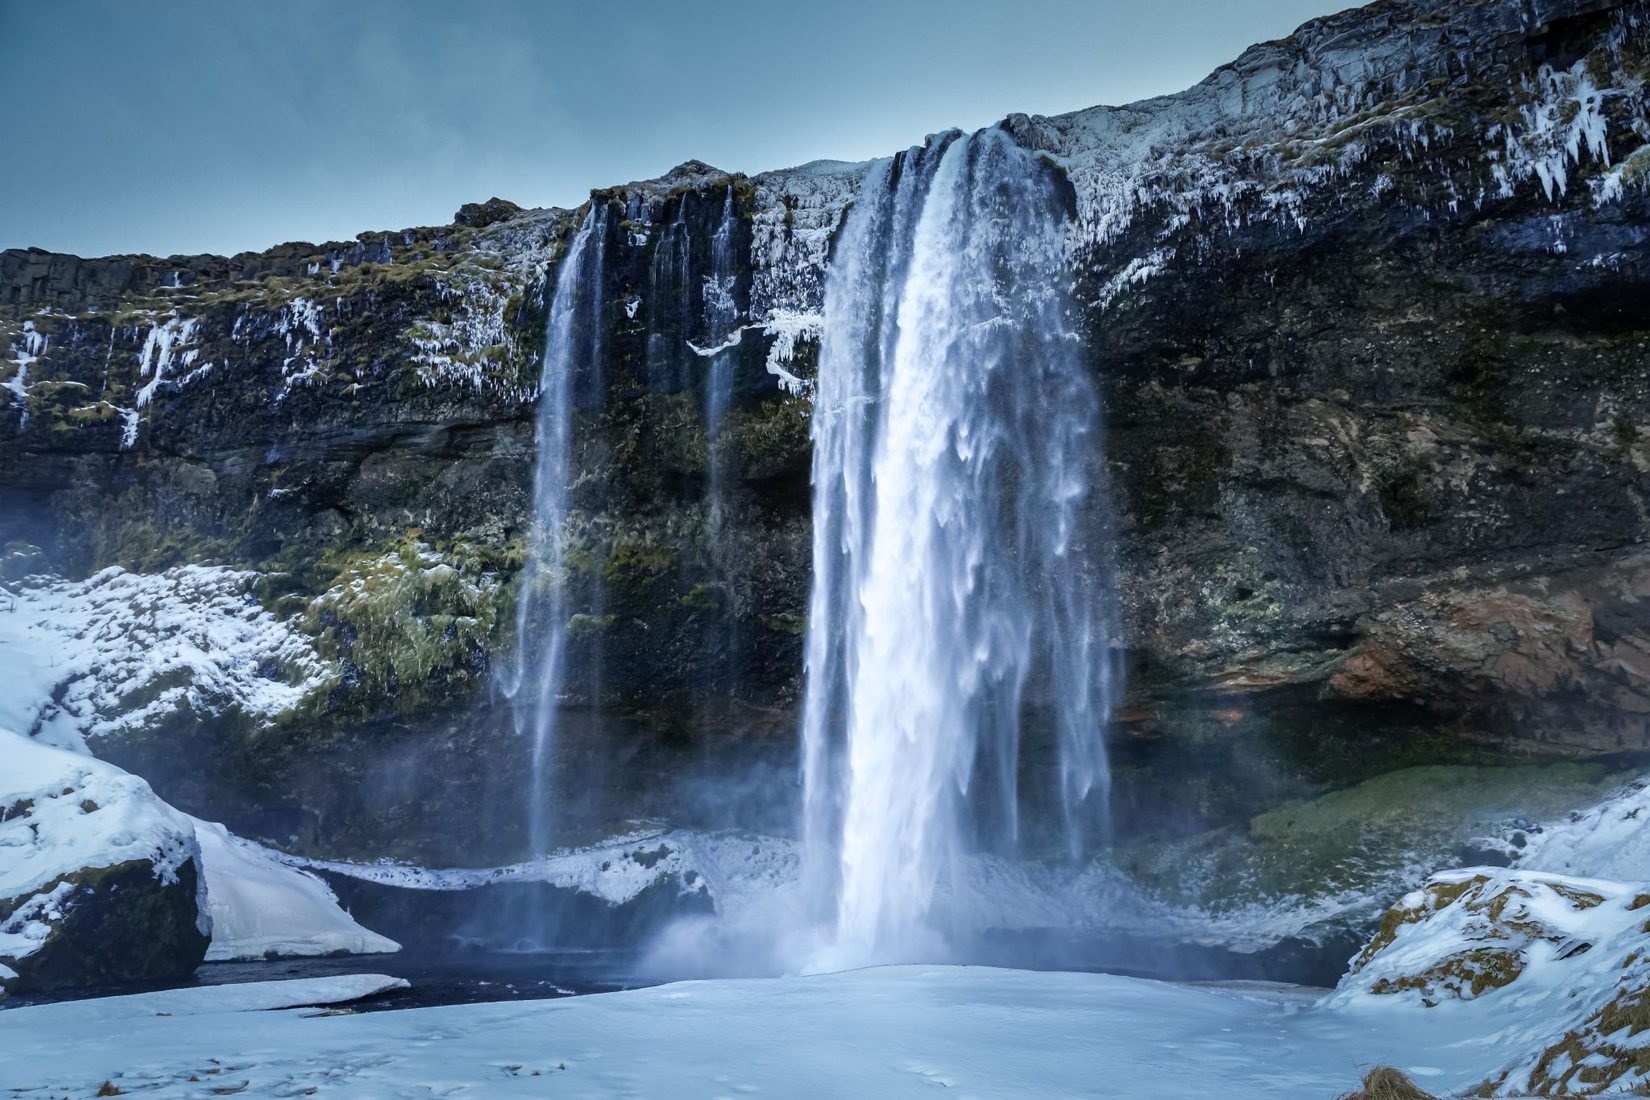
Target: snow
[[60, 813], [616, 870], [1526, 960], [260, 906], [480, 335], [165, 347], [797, 210], [206, 1000], [1564, 120], [29, 346], [1608, 840], [308, 344], [788, 329], [119, 650], [256, 904], [886, 1032]]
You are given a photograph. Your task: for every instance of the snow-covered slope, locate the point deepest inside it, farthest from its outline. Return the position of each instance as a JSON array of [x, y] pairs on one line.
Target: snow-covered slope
[[1609, 840], [259, 906], [119, 650], [1551, 970]]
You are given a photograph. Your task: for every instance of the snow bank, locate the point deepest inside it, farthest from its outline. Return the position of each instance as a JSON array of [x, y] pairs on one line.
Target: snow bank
[[1608, 840], [260, 906], [617, 870], [1551, 969], [118, 651], [203, 1000]]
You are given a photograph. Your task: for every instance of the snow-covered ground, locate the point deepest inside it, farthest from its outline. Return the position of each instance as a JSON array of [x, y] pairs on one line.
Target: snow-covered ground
[[62, 812], [1553, 969], [114, 653], [889, 1032]]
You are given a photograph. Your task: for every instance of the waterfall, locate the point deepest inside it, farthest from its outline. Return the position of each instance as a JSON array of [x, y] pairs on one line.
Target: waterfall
[[572, 344], [721, 318], [667, 310], [958, 545]]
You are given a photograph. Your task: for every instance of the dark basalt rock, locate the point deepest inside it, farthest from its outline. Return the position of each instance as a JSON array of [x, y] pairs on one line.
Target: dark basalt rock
[[478, 214], [117, 925]]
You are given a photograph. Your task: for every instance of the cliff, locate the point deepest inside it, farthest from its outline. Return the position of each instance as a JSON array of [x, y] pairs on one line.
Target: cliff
[[1367, 308]]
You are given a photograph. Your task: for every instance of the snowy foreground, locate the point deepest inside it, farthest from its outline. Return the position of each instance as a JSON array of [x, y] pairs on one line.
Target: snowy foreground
[[888, 1032]]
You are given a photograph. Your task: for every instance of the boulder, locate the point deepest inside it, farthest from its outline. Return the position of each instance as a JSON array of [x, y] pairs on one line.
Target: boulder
[[100, 881]]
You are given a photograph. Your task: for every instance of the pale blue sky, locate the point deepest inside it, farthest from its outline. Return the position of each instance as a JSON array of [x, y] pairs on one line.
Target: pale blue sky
[[179, 126]]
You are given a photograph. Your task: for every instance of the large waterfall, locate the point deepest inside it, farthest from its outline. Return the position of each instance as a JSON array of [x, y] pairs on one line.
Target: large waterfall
[[960, 581], [572, 344]]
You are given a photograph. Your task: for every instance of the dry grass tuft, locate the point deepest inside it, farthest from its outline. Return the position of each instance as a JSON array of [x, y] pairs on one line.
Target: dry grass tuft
[[1386, 1083]]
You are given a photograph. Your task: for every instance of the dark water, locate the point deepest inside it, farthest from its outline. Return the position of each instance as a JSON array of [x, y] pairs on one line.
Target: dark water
[[464, 977], [471, 976]]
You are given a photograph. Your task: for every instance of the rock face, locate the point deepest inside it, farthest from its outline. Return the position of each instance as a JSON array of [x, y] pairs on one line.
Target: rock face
[[100, 881], [1367, 308]]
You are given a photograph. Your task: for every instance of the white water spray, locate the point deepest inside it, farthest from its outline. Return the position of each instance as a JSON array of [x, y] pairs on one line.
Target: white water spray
[[955, 457]]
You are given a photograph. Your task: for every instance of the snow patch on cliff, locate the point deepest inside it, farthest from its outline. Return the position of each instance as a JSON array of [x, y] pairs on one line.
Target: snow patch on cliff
[[120, 651], [168, 349], [26, 349], [1563, 121], [797, 210], [477, 338], [301, 324]]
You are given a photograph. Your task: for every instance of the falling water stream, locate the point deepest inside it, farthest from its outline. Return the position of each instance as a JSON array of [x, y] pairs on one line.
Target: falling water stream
[[571, 344], [955, 433], [721, 319]]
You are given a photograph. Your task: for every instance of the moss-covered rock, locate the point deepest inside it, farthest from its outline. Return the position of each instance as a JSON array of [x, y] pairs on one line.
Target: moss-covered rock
[[411, 621], [1323, 865]]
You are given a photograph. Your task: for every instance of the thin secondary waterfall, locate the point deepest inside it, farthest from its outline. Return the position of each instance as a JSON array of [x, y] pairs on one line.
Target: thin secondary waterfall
[[956, 524], [721, 318], [667, 297], [571, 344]]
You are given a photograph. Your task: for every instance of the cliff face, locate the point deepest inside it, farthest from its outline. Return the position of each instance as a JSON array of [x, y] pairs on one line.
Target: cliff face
[[1370, 310]]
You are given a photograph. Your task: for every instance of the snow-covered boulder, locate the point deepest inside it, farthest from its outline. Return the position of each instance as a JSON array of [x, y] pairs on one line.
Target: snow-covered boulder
[[1557, 968], [99, 879]]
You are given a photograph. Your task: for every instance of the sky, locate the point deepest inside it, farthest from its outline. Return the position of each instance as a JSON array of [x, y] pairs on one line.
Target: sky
[[182, 126]]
